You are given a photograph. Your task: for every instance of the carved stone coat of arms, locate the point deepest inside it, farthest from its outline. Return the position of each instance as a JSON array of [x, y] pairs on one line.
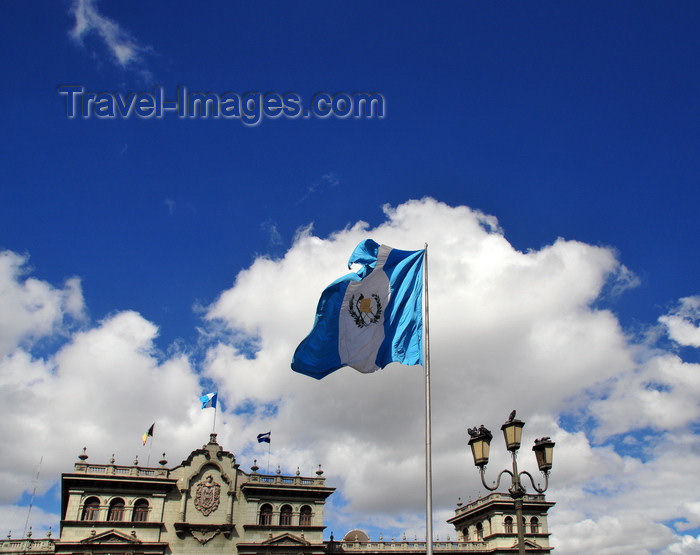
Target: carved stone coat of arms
[[206, 497]]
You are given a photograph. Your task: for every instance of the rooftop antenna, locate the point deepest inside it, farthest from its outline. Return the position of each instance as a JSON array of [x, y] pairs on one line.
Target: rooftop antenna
[[35, 481]]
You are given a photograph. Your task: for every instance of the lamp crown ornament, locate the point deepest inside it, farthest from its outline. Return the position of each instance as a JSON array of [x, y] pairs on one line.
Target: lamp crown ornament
[[479, 433]]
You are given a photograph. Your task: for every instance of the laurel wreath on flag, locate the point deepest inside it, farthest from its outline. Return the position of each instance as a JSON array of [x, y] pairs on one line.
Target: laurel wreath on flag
[[359, 319]]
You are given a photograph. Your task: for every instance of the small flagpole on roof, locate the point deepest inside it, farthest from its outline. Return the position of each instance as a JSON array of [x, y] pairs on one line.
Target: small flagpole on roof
[[265, 438], [269, 446], [428, 422], [35, 481]]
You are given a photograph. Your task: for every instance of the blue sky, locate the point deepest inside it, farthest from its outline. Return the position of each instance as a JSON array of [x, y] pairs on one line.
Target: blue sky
[[574, 120]]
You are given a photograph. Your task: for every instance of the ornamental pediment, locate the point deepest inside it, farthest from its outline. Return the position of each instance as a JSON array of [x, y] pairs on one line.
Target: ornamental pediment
[[286, 539], [111, 537], [529, 544]]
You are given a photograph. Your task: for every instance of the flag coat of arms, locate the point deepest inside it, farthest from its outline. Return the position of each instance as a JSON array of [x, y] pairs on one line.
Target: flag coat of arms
[[370, 318]]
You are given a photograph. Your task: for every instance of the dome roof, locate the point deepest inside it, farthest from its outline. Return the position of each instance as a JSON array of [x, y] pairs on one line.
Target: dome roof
[[356, 536]]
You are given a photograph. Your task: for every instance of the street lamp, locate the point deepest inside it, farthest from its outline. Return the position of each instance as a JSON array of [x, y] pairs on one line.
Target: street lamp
[[480, 443]]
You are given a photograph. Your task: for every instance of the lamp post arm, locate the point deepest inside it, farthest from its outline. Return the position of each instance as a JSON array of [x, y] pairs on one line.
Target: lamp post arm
[[532, 481], [498, 481]]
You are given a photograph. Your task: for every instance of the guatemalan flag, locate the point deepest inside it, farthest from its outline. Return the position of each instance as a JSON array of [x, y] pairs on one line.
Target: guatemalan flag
[[368, 319], [209, 400]]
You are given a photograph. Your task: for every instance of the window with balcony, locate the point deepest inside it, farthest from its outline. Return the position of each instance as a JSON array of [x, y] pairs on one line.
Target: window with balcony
[[508, 524], [265, 518], [141, 508], [91, 508], [116, 510], [286, 515], [305, 516], [534, 525]]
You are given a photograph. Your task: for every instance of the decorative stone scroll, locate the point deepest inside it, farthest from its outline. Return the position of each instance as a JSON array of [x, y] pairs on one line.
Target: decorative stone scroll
[[203, 536]]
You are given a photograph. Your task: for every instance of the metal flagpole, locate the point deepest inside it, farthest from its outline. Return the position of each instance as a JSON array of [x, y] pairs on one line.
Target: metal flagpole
[[150, 448], [213, 428], [428, 424], [269, 446], [35, 481]]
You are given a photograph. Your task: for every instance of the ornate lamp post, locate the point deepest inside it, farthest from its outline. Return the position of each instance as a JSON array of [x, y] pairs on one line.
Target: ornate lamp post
[[480, 444]]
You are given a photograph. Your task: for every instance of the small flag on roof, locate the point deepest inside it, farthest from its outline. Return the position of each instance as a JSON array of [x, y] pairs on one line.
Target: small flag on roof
[[148, 434], [264, 438], [209, 400]]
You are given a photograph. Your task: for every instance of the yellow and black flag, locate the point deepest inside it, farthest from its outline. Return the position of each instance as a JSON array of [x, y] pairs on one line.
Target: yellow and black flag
[[148, 434]]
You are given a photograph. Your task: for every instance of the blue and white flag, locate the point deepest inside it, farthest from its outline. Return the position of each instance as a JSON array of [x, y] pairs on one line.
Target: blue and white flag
[[209, 400], [368, 319], [264, 438]]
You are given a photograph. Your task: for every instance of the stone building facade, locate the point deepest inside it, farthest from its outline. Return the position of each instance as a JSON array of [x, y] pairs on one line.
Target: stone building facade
[[207, 504]]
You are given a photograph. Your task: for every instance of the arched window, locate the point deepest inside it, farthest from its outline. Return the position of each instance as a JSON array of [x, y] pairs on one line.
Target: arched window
[[508, 523], [265, 515], [116, 510], [140, 511], [534, 525], [305, 516], [479, 532], [91, 509], [286, 515]]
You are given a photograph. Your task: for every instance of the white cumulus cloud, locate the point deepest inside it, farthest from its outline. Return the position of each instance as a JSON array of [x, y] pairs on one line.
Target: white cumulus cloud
[[32, 308], [683, 324]]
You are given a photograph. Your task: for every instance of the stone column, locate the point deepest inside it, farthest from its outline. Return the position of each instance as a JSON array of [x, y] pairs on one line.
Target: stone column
[[183, 504]]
